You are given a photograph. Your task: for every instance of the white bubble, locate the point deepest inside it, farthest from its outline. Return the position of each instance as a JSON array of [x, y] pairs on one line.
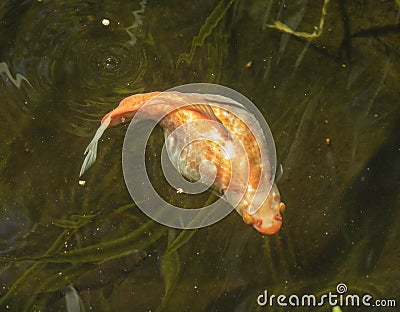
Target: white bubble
[[105, 22]]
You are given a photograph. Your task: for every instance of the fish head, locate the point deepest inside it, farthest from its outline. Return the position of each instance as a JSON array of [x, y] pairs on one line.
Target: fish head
[[267, 219]]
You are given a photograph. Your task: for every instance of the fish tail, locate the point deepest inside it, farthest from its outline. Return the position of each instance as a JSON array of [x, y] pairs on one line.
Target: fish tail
[[91, 149]]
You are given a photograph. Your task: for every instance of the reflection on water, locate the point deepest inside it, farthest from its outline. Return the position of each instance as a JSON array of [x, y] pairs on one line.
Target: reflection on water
[[135, 28], [62, 69], [18, 77]]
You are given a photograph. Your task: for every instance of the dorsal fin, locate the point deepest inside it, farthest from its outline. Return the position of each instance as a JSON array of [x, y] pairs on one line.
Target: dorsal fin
[[220, 99], [204, 109]]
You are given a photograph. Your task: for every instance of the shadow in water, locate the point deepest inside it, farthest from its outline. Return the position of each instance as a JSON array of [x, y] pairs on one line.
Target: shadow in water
[[372, 202]]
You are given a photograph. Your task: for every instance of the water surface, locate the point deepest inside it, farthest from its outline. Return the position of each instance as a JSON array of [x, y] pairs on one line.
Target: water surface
[[332, 104]]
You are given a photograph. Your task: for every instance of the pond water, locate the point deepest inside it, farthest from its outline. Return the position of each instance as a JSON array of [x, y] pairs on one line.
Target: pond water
[[332, 104]]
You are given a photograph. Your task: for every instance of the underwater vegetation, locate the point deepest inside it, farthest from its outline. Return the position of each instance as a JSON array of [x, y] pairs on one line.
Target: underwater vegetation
[[332, 102]]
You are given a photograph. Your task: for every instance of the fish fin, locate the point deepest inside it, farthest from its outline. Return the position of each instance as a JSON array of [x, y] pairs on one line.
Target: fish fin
[[91, 149], [205, 109], [220, 99], [89, 159]]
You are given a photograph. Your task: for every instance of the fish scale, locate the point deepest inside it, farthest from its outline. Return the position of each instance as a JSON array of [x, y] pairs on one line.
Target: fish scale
[[222, 125]]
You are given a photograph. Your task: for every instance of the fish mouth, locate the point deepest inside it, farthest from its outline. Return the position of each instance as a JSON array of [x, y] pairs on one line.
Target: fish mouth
[[272, 228]]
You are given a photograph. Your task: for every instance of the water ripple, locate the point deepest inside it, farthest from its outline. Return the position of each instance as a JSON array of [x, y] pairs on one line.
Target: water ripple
[[83, 54]]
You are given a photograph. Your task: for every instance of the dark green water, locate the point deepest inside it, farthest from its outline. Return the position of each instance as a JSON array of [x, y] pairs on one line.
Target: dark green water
[[60, 240]]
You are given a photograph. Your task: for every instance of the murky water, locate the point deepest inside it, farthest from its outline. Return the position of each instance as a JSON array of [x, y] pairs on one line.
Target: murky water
[[333, 107]]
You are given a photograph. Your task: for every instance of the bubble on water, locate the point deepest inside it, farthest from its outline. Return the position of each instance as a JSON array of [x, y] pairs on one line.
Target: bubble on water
[[110, 63], [105, 22], [74, 50]]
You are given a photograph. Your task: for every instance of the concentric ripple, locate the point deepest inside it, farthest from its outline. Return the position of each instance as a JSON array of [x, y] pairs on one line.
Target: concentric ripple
[[71, 50]]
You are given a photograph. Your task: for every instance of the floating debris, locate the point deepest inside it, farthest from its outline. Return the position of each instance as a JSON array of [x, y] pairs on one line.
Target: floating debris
[[328, 141], [82, 182], [105, 22]]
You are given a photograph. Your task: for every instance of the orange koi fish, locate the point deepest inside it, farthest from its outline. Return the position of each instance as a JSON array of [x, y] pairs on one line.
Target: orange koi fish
[[229, 118]]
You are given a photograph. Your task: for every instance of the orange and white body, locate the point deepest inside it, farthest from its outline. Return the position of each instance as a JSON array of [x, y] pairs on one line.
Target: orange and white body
[[226, 139]]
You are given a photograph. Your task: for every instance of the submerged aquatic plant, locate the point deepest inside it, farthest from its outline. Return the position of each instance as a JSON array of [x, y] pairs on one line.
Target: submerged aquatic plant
[[315, 34], [81, 258], [328, 237], [205, 30]]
